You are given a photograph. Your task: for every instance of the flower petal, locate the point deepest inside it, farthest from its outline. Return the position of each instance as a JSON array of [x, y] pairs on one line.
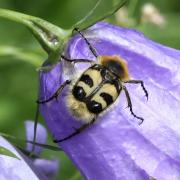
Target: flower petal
[[12, 168], [48, 167], [40, 136], [116, 146]]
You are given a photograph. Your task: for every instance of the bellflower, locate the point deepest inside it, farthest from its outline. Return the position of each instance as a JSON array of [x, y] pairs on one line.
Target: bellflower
[[116, 147], [25, 167], [18, 169], [48, 167]]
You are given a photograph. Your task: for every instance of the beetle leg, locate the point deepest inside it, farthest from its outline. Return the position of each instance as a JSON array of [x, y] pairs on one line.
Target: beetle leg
[[139, 82], [77, 131], [130, 105], [76, 60], [92, 49], [56, 94]]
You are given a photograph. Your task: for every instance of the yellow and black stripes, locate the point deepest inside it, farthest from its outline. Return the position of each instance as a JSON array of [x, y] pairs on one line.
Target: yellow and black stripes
[[107, 98], [87, 80], [86, 84], [97, 88]]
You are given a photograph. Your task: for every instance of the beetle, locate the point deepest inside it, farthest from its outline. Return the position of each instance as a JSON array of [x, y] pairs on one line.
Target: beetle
[[97, 88]]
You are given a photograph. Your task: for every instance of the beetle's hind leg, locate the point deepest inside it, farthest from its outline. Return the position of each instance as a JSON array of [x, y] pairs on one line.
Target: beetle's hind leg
[[130, 105], [77, 131]]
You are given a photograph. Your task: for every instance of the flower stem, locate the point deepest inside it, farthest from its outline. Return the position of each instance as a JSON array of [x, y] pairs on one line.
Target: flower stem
[[51, 37], [22, 55], [132, 7]]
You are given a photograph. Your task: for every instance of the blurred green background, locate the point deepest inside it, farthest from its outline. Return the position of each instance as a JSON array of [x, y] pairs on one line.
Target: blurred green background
[[18, 79]]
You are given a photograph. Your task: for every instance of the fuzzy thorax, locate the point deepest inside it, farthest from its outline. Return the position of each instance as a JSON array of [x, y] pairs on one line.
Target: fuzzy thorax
[[121, 66]]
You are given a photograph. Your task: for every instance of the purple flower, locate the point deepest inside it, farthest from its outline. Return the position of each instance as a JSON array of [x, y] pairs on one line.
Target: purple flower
[[116, 147], [26, 167], [40, 137], [17, 169], [48, 167]]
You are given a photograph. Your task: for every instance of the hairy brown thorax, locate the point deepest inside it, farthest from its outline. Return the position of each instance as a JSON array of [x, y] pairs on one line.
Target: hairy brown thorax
[[116, 65]]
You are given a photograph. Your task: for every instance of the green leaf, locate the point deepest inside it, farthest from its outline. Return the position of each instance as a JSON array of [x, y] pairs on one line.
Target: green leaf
[[16, 141], [51, 37], [101, 10], [7, 152]]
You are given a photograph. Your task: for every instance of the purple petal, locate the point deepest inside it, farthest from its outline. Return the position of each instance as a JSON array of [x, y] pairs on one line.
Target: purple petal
[[41, 135], [12, 168], [48, 167], [116, 147]]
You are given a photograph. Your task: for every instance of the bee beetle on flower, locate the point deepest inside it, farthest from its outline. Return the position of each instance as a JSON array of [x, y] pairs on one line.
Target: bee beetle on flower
[[97, 88]]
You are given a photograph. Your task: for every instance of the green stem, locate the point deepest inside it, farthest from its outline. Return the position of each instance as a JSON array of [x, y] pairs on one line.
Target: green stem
[[76, 176], [22, 55], [132, 7], [51, 37], [20, 140]]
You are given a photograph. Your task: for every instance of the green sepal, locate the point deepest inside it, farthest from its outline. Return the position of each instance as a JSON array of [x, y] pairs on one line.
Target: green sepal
[[6, 152]]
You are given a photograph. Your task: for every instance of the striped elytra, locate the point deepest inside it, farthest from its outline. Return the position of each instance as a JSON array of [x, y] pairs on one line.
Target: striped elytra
[[98, 88]]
